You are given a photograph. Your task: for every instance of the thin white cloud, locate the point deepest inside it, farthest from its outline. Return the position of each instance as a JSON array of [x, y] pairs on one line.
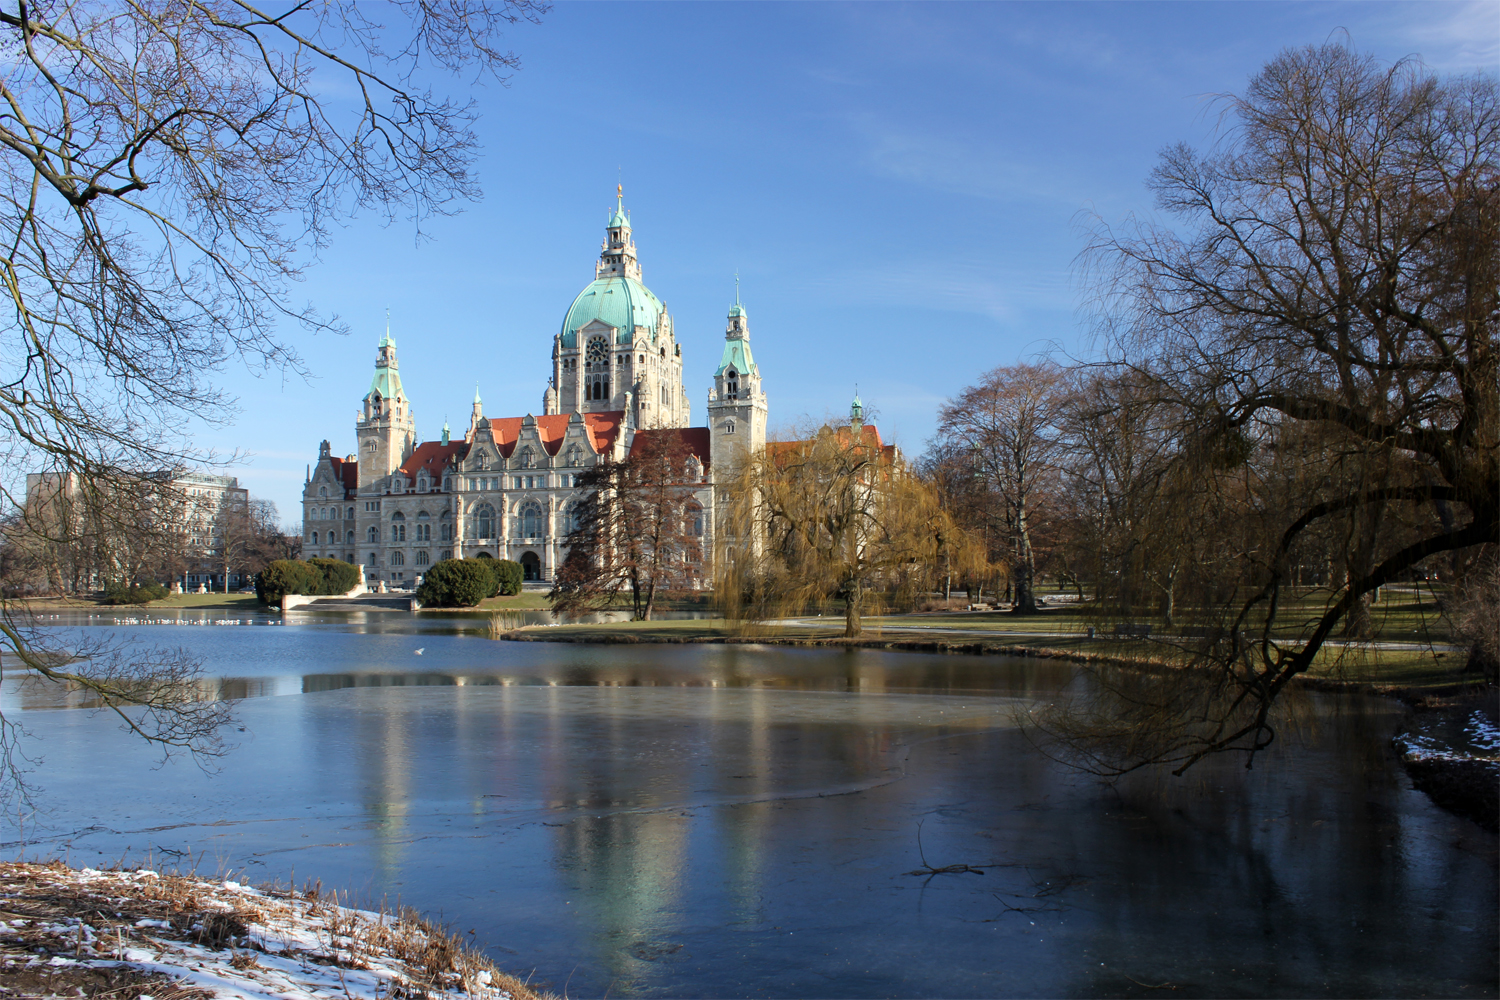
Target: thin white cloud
[[954, 165], [995, 290]]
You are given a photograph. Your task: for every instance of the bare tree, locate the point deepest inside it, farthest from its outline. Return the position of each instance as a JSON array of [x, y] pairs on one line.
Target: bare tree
[[1326, 327], [636, 528], [1007, 420], [171, 167]]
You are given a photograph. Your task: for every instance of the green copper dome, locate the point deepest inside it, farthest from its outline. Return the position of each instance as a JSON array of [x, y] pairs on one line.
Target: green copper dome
[[623, 303]]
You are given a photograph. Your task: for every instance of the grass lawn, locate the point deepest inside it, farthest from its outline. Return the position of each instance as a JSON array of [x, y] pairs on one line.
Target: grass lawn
[[1355, 664]]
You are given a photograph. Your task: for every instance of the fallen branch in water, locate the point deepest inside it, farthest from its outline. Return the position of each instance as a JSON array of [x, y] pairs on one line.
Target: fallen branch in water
[[928, 870]]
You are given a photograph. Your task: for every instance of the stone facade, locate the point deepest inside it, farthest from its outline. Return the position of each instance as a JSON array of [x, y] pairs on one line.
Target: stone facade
[[506, 487]]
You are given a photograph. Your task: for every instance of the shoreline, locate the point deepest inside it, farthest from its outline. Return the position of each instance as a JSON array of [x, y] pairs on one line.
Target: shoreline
[[133, 932]]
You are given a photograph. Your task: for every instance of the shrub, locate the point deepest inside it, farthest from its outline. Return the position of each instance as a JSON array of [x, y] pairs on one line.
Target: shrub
[[505, 576], [455, 583], [287, 576], [120, 592], [510, 575], [338, 577]]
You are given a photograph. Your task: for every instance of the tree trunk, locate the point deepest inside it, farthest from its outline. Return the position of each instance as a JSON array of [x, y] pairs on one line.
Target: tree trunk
[[1025, 572], [854, 599]]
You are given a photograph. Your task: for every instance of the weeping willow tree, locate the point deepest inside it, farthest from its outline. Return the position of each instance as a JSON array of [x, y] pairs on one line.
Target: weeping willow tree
[[836, 516]]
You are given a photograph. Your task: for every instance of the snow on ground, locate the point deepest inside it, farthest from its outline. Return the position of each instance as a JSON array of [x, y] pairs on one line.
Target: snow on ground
[[148, 934]]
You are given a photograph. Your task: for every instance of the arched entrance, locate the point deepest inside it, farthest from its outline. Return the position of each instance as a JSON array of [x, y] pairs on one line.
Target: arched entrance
[[531, 566]]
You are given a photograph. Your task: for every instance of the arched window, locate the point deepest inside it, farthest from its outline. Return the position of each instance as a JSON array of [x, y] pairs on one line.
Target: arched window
[[322, 491], [694, 467], [421, 558], [315, 538], [484, 522], [732, 384], [528, 458], [398, 527], [694, 516], [570, 519], [373, 534], [349, 515], [446, 531], [397, 559], [424, 527], [374, 560], [531, 520], [351, 538], [422, 483]]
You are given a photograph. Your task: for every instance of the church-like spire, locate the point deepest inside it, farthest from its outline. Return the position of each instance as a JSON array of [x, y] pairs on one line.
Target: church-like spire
[[617, 256], [387, 381]]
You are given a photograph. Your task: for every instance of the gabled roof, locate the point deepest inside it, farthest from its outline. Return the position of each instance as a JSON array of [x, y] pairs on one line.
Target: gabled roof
[[552, 428], [694, 439], [433, 456], [346, 473]]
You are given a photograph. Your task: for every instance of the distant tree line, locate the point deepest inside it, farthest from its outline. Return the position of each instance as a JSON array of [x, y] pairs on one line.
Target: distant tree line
[[118, 534]]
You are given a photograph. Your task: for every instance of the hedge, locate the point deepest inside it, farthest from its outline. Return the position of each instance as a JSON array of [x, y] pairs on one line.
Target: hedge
[[133, 593], [505, 575], [339, 577], [315, 578], [456, 583]]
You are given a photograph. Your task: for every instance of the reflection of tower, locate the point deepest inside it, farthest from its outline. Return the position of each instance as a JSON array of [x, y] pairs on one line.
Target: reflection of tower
[[386, 787], [742, 828], [627, 868]]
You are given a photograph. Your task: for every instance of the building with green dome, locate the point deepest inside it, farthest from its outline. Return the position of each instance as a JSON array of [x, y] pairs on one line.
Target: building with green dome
[[616, 349], [506, 488]]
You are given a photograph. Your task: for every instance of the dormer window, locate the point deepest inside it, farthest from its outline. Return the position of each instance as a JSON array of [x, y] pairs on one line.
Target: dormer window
[[323, 491]]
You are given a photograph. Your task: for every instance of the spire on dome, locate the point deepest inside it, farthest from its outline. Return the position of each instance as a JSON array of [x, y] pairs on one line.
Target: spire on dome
[[445, 430], [617, 256]]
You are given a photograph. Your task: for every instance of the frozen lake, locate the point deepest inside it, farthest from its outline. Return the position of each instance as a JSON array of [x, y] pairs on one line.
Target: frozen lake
[[740, 821]]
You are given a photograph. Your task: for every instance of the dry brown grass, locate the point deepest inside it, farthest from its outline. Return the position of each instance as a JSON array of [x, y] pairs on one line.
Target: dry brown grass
[[55, 910]]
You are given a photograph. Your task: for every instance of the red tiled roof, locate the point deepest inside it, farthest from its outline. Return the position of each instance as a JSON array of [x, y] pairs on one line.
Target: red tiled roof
[[870, 438], [432, 456], [346, 473], [552, 427], [695, 439]]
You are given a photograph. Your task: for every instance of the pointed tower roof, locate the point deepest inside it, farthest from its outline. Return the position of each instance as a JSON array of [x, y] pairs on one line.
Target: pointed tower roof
[[737, 340], [387, 380]]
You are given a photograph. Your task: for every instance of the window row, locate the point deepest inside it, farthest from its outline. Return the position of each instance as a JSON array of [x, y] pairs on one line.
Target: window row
[[327, 513]]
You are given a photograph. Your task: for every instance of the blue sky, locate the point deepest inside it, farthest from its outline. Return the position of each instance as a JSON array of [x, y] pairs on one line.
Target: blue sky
[[900, 187]]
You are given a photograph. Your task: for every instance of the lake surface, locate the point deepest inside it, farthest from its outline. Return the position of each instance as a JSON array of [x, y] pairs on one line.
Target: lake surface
[[741, 821]]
